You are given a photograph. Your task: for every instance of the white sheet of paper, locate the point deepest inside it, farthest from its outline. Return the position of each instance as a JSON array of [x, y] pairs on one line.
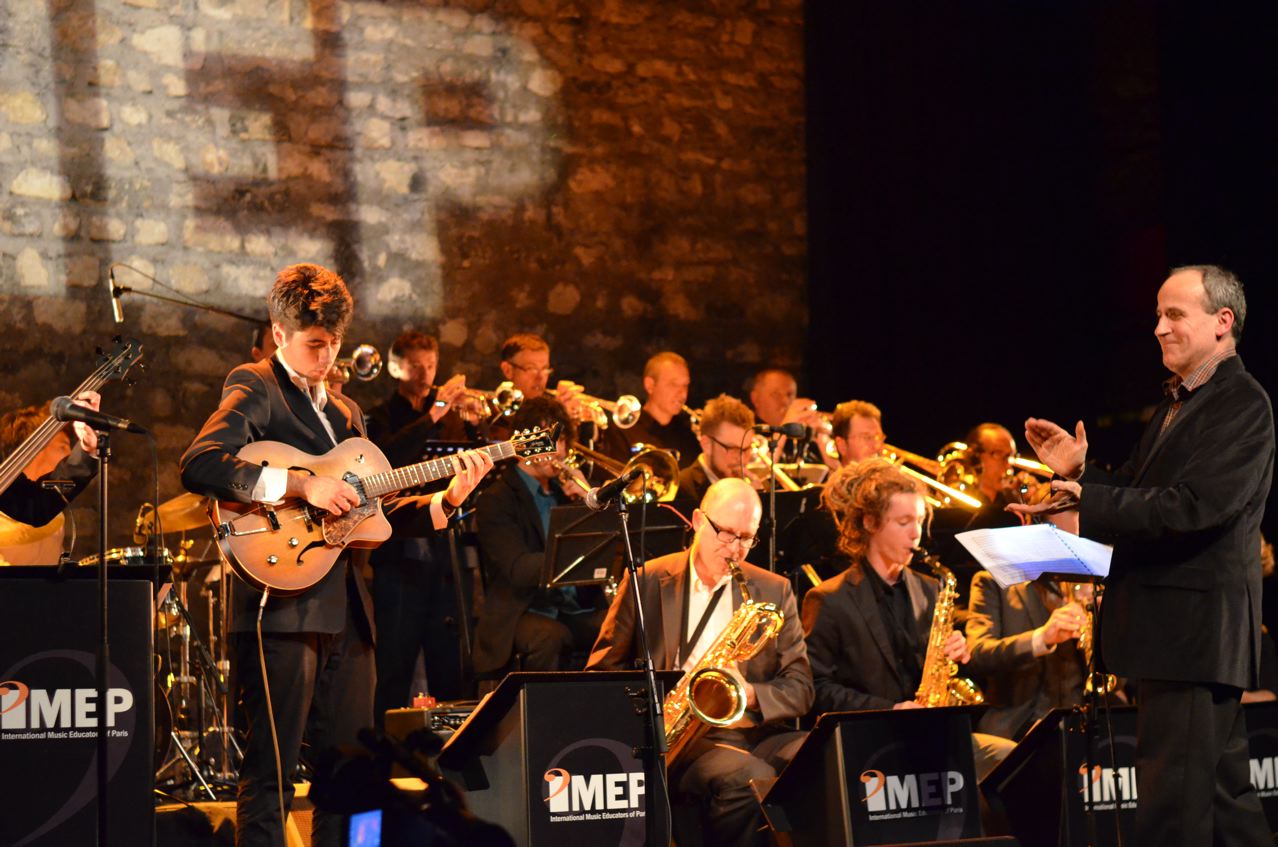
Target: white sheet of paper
[[1019, 554]]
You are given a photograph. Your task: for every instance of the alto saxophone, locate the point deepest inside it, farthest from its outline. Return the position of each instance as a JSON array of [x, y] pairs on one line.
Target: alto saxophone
[[708, 695], [941, 685]]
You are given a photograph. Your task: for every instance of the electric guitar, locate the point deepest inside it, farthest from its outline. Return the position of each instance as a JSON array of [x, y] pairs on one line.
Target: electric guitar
[[290, 546]]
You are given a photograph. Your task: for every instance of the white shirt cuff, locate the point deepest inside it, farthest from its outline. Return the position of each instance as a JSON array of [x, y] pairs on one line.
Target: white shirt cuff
[[437, 517], [1041, 647], [271, 485]]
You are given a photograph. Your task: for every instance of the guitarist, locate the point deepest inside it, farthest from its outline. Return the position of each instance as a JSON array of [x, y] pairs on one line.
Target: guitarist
[[317, 647], [67, 456]]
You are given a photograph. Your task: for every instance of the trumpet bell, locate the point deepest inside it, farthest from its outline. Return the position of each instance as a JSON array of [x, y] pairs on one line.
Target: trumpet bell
[[660, 480], [364, 364], [626, 412]]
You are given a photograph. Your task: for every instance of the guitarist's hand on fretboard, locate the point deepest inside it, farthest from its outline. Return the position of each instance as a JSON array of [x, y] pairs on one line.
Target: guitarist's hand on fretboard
[[324, 492], [471, 467]]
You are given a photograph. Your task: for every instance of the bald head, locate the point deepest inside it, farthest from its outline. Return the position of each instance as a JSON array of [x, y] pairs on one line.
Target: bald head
[[733, 500]]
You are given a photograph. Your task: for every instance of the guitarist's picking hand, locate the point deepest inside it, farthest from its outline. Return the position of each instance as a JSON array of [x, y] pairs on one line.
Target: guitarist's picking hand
[[471, 467], [329, 493]]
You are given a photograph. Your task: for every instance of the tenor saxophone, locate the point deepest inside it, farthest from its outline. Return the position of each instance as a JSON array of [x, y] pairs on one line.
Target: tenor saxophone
[[708, 695], [941, 685]]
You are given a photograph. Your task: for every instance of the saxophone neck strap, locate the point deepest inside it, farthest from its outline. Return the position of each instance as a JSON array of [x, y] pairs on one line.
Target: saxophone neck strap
[[685, 643]]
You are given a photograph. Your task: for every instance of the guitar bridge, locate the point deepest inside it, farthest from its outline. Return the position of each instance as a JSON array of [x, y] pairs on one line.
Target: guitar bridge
[[273, 518]]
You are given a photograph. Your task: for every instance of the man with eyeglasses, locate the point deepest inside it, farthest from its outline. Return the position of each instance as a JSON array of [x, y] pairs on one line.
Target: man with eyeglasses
[[857, 427], [726, 425], [688, 600], [525, 364]]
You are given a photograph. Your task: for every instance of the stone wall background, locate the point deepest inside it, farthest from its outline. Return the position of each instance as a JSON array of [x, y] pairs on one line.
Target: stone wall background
[[619, 175]]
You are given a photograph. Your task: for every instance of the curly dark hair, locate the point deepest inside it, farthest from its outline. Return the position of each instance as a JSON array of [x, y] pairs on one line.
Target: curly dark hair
[[544, 411], [857, 493], [306, 296]]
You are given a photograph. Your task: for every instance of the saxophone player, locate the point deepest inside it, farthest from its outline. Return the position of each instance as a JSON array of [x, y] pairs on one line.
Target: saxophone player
[[868, 627], [685, 609]]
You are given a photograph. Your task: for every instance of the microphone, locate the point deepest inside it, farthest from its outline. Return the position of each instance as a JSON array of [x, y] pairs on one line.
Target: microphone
[[117, 311], [601, 495], [794, 430], [65, 409]]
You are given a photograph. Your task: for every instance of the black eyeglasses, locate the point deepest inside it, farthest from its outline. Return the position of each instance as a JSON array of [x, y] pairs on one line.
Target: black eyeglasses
[[727, 536], [533, 370], [726, 446]]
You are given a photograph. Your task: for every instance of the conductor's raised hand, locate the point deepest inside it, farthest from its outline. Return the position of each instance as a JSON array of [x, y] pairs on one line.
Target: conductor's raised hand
[[471, 466], [1064, 453]]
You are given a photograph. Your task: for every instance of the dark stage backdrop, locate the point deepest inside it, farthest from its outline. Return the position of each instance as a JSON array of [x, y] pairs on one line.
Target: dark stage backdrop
[[997, 189]]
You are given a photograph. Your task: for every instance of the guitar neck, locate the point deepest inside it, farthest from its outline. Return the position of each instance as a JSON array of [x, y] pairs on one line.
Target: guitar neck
[[424, 473], [16, 461]]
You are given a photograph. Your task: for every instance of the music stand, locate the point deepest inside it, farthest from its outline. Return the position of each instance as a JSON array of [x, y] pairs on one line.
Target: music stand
[[585, 547], [790, 505]]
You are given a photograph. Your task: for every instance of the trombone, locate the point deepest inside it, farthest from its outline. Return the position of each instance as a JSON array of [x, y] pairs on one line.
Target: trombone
[[624, 410], [950, 466], [659, 483]]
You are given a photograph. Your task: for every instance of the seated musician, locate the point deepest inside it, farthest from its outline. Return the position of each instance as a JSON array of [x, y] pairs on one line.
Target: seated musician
[[992, 447], [774, 396], [1024, 643], [414, 597], [685, 611], [663, 422], [315, 661], [725, 436], [868, 628], [68, 456], [543, 626], [857, 429]]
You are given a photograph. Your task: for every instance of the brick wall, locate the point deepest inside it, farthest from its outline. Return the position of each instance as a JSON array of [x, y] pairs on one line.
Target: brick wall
[[621, 176]]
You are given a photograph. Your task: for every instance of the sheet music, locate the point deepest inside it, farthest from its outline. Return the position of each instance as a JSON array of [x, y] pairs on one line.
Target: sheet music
[[1019, 554]]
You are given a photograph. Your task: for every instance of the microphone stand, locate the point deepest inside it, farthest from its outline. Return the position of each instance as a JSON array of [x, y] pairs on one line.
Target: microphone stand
[[118, 290], [772, 502], [104, 645], [657, 747]]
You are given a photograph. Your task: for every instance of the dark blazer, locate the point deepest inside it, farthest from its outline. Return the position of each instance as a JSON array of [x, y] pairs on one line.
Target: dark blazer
[[24, 500], [512, 547], [260, 403], [850, 648], [1018, 687], [780, 673], [1182, 601]]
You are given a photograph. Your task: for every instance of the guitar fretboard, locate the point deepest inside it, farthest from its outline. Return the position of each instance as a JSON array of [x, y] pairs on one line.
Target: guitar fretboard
[[423, 473]]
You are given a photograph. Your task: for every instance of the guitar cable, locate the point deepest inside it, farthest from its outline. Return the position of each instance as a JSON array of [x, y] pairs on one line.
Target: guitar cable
[[270, 716]]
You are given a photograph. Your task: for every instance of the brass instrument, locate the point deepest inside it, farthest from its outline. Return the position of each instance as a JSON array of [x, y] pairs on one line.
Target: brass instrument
[[364, 363], [941, 494], [624, 410], [708, 694], [502, 402], [660, 480], [694, 420], [1078, 592], [941, 685], [762, 457]]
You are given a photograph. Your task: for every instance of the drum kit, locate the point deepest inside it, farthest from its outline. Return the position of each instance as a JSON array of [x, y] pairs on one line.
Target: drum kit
[[196, 749]]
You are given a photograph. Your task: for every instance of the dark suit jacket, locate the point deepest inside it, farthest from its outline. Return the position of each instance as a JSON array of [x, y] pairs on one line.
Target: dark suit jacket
[[1182, 601], [1018, 687], [780, 673], [512, 548], [259, 402], [24, 500], [850, 648]]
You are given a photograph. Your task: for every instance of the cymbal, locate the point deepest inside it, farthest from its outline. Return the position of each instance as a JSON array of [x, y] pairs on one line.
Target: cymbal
[[183, 512], [13, 533]]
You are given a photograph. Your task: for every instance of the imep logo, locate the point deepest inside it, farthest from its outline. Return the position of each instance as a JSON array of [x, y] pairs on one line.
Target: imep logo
[[908, 792], [568, 792]]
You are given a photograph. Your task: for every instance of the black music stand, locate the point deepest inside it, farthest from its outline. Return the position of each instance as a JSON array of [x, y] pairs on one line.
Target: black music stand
[[790, 505], [585, 547]]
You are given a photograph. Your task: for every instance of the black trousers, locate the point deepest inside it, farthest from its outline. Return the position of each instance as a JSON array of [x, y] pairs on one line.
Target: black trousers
[[321, 689], [415, 608], [1193, 776], [719, 767]]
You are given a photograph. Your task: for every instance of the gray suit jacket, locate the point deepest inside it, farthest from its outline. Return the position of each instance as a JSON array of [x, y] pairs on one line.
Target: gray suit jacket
[[780, 673], [1018, 687]]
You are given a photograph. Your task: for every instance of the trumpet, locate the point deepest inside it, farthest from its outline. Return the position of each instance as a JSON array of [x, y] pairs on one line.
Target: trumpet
[[364, 364], [624, 410], [694, 420], [502, 402], [660, 480]]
